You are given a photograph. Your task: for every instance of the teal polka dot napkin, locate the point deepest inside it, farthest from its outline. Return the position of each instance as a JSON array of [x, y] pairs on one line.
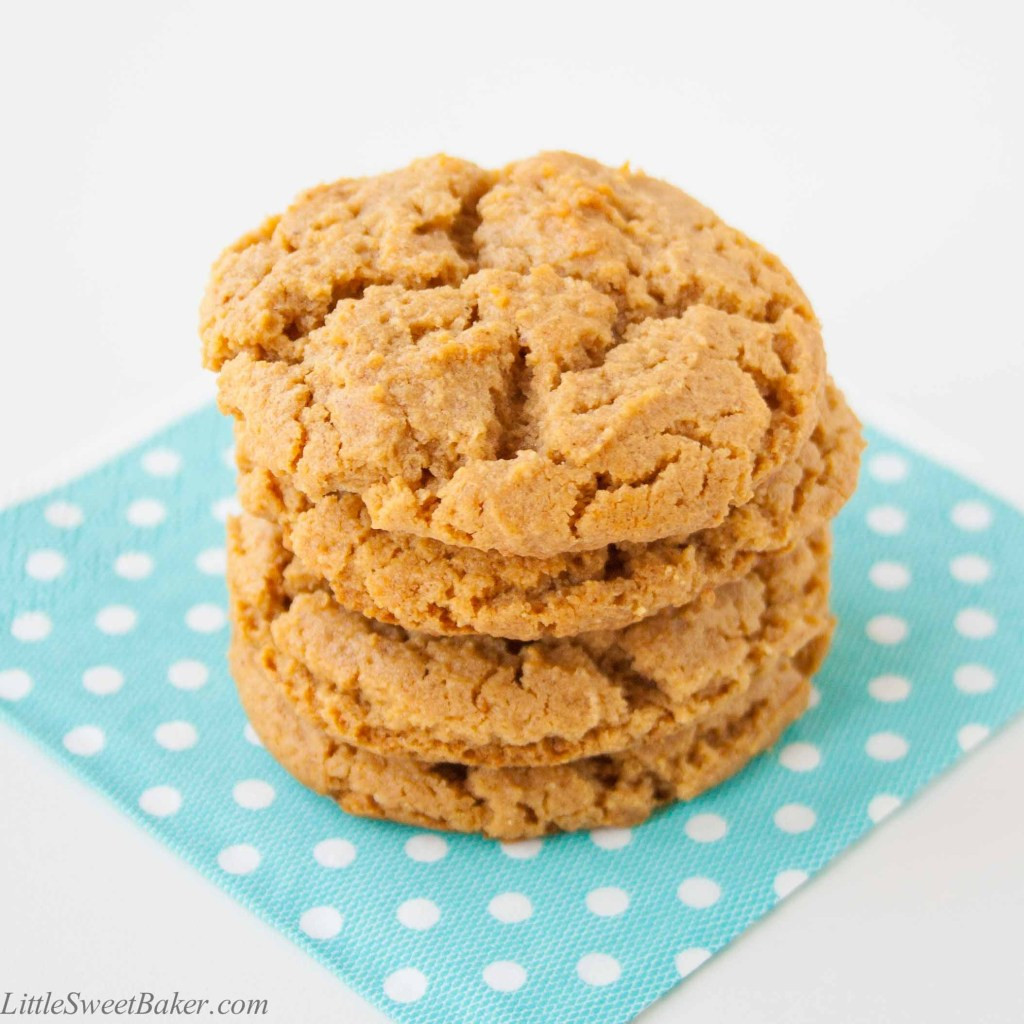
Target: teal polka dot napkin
[[112, 644]]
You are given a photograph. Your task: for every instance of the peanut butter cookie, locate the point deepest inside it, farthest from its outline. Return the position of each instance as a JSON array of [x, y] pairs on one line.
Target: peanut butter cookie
[[519, 803], [431, 587], [474, 353], [484, 700]]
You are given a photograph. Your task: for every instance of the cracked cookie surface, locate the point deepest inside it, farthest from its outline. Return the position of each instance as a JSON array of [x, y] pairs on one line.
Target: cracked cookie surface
[[483, 700], [474, 353]]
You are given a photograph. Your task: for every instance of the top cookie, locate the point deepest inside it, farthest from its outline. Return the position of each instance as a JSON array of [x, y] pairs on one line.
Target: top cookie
[[545, 359]]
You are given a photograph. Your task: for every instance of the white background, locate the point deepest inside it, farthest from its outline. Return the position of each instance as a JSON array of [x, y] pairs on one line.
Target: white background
[[878, 148]]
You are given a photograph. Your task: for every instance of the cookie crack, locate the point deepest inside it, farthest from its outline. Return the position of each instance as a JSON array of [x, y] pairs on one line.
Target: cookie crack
[[511, 410]]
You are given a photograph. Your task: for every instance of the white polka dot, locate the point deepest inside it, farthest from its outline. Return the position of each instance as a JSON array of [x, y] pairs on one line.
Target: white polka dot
[[599, 969], [188, 675], [228, 456], [800, 757], [690, 959], [405, 985], [887, 629], [419, 914], [975, 623], [971, 735], [102, 680], [888, 467], [176, 735], [699, 893], [31, 626], [887, 519], [525, 849], [814, 699], [321, 922], [426, 848], [334, 853], [795, 818], [706, 828], [510, 907], [85, 740], [146, 512], [971, 516], [212, 561], [45, 565], [611, 838], [224, 508], [608, 901], [970, 568], [15, 684], [886, 746], [63, 514], [253, 794], [889, 575], [504, 976], [974, 679], [160, 801], [205, 618], [161, 462], [133, 565], [116, 619], [788, 881], [882, 806], [889, 689], [251, 736], [241, 859]]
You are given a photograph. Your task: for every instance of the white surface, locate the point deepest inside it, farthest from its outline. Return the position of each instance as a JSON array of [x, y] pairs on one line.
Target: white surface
[[877, 148]]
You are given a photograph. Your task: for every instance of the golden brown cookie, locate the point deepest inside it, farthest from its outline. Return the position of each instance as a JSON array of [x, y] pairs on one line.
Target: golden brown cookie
[[427, 586], [484, 700], [518, 803], [475, 354]]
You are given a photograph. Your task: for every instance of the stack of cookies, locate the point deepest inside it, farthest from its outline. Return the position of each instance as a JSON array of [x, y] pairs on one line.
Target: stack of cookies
[[537, 468]]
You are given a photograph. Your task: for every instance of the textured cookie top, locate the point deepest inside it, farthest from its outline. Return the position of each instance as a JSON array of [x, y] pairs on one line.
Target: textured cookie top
[[549, 358], [483, 700]]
